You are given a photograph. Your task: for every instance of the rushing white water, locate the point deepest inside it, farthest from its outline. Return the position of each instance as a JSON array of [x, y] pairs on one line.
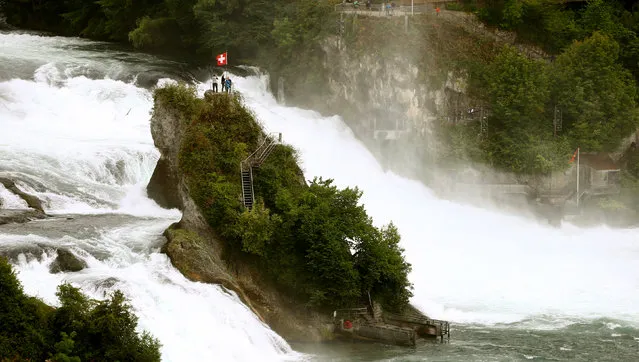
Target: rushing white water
[[469, 265], [84, 146], [8, 200], [82, 143]]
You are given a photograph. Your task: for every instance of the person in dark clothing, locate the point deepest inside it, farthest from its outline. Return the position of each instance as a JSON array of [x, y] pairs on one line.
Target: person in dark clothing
[[223, 83]]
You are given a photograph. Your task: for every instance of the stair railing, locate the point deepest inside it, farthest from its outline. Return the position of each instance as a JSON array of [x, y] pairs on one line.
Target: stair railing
[[244, 195], [256, 158]]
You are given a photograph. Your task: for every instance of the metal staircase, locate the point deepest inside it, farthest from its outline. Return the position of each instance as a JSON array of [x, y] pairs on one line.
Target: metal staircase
[[255, 160]]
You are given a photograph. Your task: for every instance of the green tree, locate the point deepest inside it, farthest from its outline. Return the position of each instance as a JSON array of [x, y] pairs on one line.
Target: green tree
[[330, 222], [303, 237], [89, 330], [512, 15], [595, 93], [382, 268], [255, 228], [111, 333], [64, 348], [24, 333], [516, 90]]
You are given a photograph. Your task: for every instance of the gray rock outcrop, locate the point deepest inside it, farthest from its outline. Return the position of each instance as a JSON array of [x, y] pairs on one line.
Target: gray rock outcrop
[[32, 201], [196, 250], [66, 262]]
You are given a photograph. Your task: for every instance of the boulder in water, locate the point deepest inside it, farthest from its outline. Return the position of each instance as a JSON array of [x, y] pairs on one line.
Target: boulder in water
[[19, 216], [31, 200], [66, 262]]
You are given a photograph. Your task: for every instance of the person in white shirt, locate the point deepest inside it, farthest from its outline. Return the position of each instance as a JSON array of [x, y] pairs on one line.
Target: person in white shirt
[[215, 83]]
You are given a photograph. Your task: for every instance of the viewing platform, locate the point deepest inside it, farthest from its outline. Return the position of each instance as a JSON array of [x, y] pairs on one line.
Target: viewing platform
[[390, 328]]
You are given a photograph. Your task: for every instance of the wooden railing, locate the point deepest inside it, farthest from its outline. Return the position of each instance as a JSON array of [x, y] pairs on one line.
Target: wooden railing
[[443, 327]]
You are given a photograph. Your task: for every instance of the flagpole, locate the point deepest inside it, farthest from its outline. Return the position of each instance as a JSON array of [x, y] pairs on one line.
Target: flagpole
[[226, 52], [577, 176]]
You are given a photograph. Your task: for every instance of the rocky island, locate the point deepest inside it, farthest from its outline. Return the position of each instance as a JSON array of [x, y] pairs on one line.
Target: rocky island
[[289, 257]]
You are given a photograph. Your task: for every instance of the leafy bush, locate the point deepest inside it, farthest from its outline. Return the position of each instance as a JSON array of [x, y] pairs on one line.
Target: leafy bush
[[314, 241], [594, 93], [88, 330]]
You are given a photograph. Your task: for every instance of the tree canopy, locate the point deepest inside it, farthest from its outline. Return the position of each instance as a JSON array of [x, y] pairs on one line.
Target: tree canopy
[[314, 241], [81, 329], [587, 84]]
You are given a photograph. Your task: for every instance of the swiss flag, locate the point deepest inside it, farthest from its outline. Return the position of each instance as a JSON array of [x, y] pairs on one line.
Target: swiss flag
[[222, 59]]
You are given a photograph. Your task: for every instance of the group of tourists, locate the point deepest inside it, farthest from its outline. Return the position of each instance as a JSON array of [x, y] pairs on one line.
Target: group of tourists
[[226, 83]]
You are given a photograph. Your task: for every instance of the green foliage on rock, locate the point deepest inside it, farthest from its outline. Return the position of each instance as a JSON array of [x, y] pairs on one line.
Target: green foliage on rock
[[589, 80], [595, 94], [24, 333], [80, 329], [593, 48], [201, 27], [315, 241]]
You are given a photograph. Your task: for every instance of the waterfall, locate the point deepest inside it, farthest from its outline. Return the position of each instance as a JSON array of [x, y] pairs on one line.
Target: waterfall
[[76, 134]]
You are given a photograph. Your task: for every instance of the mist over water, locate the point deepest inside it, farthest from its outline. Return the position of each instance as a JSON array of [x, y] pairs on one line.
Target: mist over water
[[470, 265], [76, 133]]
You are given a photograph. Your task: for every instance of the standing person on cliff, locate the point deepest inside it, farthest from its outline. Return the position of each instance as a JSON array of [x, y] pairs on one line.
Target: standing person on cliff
[[215, 83], [228, 84], [223, 83]]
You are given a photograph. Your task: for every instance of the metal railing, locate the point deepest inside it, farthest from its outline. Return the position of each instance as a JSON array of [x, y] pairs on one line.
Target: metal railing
[[255, 159], [443, 326], [381, 9], [263, 150], [352, 313]]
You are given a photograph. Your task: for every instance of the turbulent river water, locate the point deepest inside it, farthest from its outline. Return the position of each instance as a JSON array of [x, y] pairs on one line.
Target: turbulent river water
[[74, 116]]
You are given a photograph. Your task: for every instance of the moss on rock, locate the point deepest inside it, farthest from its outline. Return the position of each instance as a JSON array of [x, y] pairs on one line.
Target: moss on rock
[[297, 236]]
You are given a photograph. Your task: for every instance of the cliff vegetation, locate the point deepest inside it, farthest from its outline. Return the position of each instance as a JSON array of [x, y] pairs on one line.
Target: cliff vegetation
[[80, 329], [589, 73], [589, 77], [314, 241]]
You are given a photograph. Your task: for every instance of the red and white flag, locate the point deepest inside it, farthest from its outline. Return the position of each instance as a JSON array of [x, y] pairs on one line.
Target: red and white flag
[[222, 59], [572, 159]]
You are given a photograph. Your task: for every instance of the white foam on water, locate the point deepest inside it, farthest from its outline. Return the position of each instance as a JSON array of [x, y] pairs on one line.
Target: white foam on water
[[470, 265], [84, 146], [194, 321], [9, 200]]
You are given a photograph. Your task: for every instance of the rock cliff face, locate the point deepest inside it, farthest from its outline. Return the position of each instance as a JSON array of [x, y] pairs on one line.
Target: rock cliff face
[[384, 74], [386, 69], [387, 73], [196, 250]]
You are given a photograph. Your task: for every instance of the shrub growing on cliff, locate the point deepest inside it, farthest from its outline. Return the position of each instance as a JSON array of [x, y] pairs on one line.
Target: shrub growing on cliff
[[23, 320], [81, 329], [315, 241]]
